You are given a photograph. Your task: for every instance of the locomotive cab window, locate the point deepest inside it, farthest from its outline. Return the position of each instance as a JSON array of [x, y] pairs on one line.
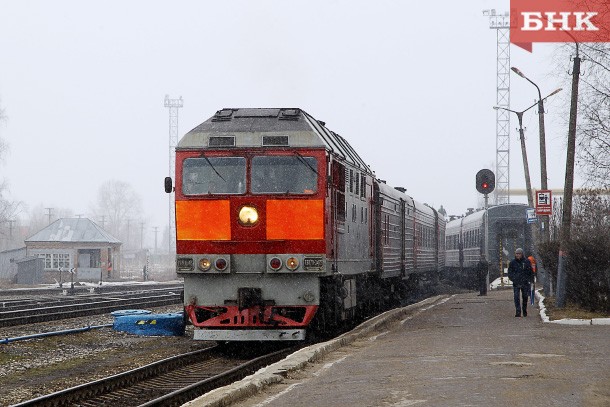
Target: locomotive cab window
[[284, 175], [214, 175]]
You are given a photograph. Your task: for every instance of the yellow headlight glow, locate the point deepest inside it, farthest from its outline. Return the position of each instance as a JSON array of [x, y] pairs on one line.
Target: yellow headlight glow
[[205, 264], [292, 263], [248, 215]]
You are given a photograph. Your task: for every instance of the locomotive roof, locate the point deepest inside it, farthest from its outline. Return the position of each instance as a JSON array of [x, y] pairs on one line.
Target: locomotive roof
[[248, 126]]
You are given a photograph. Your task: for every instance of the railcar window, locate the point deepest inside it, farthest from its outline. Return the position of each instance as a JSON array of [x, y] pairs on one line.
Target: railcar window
[[284, 175], [362, 186], [214, 175]]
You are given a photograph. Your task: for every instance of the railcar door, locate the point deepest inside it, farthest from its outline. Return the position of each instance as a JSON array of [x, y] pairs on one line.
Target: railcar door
[[402, 238], [338, 214]]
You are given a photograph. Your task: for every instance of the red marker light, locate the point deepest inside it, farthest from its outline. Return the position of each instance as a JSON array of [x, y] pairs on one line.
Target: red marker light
[[220, 264], [275, 263]]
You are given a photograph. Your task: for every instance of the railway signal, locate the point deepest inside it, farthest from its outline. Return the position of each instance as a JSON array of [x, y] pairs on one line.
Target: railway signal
[[485, 181]]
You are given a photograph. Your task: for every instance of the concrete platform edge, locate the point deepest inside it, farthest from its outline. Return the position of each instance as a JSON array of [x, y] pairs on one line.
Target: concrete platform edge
[[276, 372], [567, 321]]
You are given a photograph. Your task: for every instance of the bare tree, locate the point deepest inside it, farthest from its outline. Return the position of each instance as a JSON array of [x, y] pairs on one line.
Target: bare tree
[[8, 208], [594, 125], [118, 209]]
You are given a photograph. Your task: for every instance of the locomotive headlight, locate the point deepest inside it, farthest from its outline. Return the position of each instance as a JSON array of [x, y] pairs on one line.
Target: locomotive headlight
[[205, 264], [292, 263], [248, 215]]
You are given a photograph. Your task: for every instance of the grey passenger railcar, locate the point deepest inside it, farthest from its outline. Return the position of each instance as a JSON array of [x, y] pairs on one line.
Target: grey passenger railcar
[[465, 241]]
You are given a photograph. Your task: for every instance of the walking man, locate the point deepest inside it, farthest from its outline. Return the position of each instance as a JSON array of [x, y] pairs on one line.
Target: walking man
[[520, 273]]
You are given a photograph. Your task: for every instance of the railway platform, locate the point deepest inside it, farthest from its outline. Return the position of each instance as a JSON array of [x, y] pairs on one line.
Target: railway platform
[[460, 350]]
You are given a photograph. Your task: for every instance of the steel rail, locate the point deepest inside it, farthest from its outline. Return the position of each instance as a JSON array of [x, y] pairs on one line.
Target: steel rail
[[177, 378], [65, 312], [80, 299]]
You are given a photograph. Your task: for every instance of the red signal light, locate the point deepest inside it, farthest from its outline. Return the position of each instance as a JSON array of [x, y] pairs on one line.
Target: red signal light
[[485, 185]]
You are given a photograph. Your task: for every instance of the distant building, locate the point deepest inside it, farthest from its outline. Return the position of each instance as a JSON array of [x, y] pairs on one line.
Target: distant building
[[8, 263], [76, 243]]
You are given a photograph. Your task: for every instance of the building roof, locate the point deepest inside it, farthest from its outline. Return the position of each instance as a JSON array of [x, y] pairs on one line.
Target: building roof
[[75, 230]]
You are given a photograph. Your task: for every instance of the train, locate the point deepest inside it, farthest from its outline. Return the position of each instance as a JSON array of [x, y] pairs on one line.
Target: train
[[507, 230], [282, 229]]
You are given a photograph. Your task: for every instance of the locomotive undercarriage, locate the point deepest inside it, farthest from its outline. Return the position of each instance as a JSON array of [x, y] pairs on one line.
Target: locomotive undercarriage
[[373, 295]]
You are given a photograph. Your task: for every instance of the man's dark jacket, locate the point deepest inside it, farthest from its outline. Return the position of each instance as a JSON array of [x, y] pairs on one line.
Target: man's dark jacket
[[520, 272]]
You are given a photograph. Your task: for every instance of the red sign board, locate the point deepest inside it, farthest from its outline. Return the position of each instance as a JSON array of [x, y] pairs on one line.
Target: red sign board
[[544, 202], [559, 21]]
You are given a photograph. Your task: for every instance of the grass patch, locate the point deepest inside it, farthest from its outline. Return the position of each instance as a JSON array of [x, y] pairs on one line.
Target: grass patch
[[572, 311]]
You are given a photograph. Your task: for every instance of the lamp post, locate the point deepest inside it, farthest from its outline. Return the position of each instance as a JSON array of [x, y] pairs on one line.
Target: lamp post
[[547, 282], [543, 173], [528, 184]]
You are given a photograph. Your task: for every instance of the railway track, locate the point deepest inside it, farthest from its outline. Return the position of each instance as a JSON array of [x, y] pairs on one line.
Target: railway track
[[170, 382], [20, 313]]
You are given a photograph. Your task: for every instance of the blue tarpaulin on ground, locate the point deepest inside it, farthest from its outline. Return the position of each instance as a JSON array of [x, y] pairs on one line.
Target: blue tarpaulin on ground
[[151, 324]]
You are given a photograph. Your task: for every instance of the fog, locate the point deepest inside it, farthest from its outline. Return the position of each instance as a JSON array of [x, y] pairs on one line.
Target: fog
[[410, 85]]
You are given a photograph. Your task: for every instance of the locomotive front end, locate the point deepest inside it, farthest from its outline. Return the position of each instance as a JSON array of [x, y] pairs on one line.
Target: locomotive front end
[[250, 226]]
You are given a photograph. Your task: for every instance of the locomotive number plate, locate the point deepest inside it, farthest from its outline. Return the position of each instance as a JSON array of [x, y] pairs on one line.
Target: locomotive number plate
[[313, 263], [184, 264]]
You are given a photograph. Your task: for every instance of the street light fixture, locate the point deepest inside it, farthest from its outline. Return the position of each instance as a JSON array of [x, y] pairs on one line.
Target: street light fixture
[[543, 172], [528, 184]]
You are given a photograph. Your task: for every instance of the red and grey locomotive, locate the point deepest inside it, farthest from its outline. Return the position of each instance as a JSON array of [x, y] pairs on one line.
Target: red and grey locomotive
[[281, 226]]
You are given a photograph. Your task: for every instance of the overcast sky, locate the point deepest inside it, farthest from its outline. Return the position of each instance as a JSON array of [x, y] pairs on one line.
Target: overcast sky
[[410, 85]]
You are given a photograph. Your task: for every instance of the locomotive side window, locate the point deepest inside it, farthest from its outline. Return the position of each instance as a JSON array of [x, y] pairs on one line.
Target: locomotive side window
[[284, 175], [214, 175]]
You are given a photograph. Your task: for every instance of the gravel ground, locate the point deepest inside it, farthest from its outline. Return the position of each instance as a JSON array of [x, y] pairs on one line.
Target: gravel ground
[[36, 367]]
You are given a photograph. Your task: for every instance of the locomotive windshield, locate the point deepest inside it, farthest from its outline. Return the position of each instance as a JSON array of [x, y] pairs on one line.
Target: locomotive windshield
[[214, 175], [284, 175]]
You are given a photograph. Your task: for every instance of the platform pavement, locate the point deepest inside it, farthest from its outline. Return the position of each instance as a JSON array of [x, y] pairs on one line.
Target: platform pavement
[[461, 350]]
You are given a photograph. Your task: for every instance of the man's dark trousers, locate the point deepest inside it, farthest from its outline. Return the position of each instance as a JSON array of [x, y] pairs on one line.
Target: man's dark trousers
[[525, 290]]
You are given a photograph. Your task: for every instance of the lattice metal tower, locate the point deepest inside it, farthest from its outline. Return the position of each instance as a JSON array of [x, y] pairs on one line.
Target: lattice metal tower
[[173, 105], [501, 23]]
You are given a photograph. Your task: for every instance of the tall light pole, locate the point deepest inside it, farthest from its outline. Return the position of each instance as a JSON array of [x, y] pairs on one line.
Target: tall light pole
[[526, 169], [530, 199], [528, 184], [501, 22], [543, 173]]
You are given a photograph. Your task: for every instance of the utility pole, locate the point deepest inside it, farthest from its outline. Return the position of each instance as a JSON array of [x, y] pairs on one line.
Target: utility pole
[[543, 171], [49, 211], [141, 235], [173, 105], [566, 218], [103, 221], [156, 229], [11, 222], [127, 243]]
